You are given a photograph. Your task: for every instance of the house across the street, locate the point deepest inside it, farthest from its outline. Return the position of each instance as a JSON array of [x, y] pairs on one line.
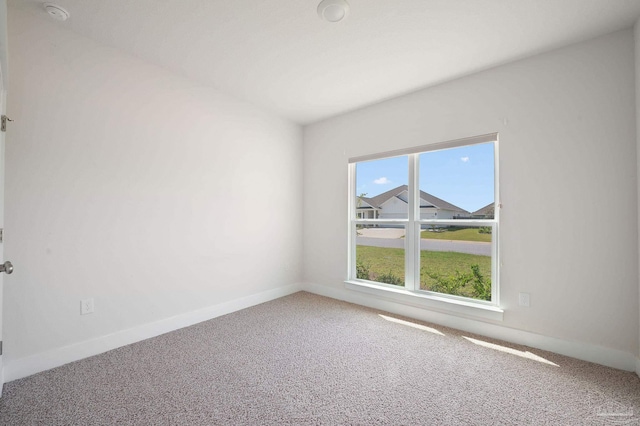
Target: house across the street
[[393, 205], [487, 212]]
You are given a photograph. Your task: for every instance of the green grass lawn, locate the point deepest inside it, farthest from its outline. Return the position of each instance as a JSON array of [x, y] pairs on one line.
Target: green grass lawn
[[466, 234], [390, 261]]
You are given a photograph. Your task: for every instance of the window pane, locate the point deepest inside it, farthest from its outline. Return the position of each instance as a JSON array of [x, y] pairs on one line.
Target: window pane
[[380, 254], [457, 183], [456, 260], [381, 189]]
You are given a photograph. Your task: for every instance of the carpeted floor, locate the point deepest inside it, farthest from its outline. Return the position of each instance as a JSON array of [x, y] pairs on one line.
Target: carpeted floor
[[309, 360]]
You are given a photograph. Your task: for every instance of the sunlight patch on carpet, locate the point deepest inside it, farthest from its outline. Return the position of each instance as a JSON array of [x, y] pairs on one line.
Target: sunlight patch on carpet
[[412, 324], [511, 351]]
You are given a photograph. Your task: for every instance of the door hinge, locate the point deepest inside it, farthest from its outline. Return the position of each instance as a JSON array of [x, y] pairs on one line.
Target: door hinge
[[0, 347], [3, 123]]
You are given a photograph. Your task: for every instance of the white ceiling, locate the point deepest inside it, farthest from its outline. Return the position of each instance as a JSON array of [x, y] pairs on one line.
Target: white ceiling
[[278, 54]]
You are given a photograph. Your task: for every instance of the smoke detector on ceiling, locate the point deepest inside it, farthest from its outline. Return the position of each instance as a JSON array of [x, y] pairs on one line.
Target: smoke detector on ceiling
[[333, 10], [56, 12]]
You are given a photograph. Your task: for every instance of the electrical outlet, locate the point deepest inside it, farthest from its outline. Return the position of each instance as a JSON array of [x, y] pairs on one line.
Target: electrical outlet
[[86, 306], [524, 299]]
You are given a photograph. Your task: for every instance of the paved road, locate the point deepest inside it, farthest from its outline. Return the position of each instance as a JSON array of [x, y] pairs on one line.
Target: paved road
[[470, 247]]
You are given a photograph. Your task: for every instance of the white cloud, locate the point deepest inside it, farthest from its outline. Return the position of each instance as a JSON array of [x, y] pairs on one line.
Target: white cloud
[[381, 181], [464, 159]]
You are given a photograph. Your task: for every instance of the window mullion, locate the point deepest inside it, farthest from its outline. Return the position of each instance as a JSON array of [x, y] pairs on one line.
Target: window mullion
[[416, 225], [351, 261], [412, 261]]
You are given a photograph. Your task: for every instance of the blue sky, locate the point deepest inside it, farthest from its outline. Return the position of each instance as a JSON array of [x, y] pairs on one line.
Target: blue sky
[[462, 176]]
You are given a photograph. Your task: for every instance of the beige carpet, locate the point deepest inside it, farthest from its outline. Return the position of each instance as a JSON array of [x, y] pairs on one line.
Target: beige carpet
[[308, 360]]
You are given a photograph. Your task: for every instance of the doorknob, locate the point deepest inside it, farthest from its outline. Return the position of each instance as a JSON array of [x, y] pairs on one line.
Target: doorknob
[[6, 267]]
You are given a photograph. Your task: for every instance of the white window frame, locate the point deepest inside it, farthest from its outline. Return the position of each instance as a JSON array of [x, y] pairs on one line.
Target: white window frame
[[411, 293]]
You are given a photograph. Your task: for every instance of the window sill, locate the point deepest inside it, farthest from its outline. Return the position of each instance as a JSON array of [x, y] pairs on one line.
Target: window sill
[[428, 301]]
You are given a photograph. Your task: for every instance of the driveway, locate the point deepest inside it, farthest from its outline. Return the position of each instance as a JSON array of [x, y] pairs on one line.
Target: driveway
[[470, 247], [381, 233]]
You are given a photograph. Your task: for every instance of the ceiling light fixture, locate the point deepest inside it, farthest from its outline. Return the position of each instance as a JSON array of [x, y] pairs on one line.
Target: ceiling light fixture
[[56, 12], [333, 10]]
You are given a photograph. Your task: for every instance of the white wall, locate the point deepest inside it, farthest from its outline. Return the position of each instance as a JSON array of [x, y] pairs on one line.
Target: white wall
[[138, 188], [637, 86], [566, 121]]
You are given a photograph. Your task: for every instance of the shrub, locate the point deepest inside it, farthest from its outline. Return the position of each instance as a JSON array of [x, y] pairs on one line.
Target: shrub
[[450, 284], [455, 284], [362, 270], [485, 230], [481, 285], [390, 278]]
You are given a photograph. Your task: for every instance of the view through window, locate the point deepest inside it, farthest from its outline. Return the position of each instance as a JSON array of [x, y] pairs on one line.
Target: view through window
[[426, 220]]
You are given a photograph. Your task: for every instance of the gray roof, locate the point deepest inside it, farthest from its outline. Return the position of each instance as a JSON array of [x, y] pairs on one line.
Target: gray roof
[[427, 200], [486, 210], [364, 204]]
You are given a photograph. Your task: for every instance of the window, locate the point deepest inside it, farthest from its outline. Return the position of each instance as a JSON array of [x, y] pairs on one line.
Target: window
[[425, 220]]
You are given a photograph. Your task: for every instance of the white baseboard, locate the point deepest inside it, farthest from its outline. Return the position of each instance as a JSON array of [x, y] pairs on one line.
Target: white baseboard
[[584, 351], [27, 366]]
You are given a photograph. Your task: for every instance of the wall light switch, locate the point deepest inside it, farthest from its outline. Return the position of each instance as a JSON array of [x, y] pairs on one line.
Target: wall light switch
[[524, 299]]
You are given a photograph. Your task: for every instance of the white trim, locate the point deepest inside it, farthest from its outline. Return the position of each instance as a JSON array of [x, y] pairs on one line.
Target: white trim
[[457, 222], [412, 238], [351, 216], [33, 364], [473, 140], [592, 353], [444, 304], [4, 45], [380, 221], [495, 231], [413, 228], [497, 199]]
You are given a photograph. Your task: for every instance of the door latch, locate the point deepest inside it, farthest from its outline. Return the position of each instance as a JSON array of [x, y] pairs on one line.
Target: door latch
[[6, 267], [3, 123]]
